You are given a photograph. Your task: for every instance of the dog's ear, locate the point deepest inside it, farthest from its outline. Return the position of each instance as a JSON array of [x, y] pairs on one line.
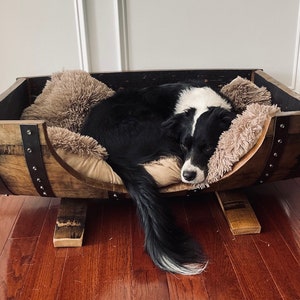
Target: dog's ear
[[173, 126], [225, 116], [176, 125]]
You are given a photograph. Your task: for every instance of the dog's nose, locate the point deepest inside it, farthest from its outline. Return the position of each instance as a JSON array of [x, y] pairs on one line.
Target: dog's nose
[[189, 175]]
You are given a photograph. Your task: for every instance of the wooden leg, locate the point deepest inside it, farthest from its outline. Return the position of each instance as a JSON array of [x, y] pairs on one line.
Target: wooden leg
[[238, 212], [69, 228]]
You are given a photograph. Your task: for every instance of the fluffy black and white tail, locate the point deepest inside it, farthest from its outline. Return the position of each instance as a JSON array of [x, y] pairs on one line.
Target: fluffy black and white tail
[[170, 248]]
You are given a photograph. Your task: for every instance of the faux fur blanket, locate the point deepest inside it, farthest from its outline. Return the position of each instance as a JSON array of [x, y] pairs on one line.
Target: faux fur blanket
[[68, 96], [66, 99], [241, 137]]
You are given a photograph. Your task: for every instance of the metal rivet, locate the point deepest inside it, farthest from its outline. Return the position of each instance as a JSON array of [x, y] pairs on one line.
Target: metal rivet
[[275, 154], [261, 181], [34, 168], [42, 188], [44, 193], [39, 180], [28, 131], [29, 150], [271, 166], [267, 174], [282, 125], [279, 141]]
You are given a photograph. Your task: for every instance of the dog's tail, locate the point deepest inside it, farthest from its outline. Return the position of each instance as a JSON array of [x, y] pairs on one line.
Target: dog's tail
[[170, 248]]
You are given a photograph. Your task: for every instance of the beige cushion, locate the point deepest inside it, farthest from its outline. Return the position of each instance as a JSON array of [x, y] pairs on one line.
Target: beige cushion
[[88, 158], [66, 99], [165, 171]]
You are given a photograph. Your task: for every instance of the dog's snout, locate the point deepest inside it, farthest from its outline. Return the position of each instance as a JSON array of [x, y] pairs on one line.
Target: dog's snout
[[192, 174], [189, 175]]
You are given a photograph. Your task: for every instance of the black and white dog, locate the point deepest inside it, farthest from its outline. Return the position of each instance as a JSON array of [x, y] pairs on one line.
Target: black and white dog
[[141, 125]]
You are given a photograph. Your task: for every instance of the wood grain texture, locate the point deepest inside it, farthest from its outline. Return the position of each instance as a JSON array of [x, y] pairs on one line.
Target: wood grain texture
[[238, 212], [44, 275], [252, 273], [272, 243], [112, 263], [15, 174], [15, 261], [8, 215], [33, 213], [70, 223], [221, 281], [185, 287]]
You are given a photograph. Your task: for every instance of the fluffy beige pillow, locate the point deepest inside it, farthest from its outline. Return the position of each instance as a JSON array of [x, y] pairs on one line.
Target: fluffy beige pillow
[[72, 142], [243, 92], [66, 99], [239, 139], [87, 157]]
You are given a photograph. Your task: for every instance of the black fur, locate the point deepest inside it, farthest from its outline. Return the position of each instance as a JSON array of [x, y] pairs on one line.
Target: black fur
[[200, 146], [138, 126]]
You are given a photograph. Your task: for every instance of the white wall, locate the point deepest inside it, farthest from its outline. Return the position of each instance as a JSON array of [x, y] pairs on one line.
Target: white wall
[[103, 34], [41, 37], [37, 38], [214, 34]]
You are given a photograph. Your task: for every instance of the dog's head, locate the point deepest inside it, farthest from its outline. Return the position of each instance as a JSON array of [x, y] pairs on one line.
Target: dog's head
[[198, 139]]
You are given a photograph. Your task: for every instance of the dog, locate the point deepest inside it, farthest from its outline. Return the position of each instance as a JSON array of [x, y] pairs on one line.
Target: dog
[[141, 125]]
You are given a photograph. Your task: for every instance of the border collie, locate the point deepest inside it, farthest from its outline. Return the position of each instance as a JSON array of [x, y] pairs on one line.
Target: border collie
[[141, 125]]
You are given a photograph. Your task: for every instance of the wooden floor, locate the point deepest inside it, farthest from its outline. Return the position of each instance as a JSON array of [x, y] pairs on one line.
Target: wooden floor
[[112, 265]]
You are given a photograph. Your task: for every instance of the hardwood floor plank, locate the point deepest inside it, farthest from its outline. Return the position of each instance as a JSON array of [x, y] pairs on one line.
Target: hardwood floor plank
[[280, 263], [148, 282], [115, 240], [112, 263], [81, 276], [14, 264], [101, 269], [253, 275], [268, 199], [296, 181], [179, 284], [272, 244], [141, 261], [219, 278], [186, 287], [31, 217], [149, 285], [9, 210], [289, 194], [45, 272]]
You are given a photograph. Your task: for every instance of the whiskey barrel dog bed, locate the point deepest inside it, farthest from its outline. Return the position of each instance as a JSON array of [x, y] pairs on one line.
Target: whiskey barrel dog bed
[[42, 152]]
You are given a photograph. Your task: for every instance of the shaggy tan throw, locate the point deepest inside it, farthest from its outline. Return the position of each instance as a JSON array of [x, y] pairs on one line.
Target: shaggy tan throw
[[62, 138], [238, 140], [243, 92], [66, 99]]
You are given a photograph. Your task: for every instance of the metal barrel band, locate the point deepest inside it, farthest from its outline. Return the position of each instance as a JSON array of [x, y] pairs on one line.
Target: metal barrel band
[[34, 159], [279, 141]]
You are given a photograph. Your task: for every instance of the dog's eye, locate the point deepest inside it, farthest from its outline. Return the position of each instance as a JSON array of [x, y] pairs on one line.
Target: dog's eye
[[186, 144], [208, 149]]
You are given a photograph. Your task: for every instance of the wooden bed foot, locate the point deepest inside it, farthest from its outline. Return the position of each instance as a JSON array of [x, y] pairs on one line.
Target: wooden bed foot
[[70, 222], [238, 212]]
